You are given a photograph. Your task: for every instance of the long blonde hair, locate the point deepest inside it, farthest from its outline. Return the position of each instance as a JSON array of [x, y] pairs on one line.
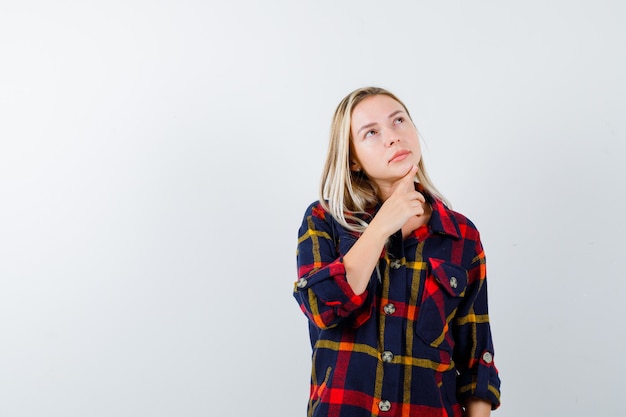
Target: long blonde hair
[[346, 194]]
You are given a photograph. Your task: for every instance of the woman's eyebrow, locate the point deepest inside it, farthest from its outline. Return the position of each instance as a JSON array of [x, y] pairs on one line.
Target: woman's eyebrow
[[394, 113], [367, 126]]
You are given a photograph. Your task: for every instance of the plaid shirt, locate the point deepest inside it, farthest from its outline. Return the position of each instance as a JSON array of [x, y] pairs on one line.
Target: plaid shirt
[[417, 342]]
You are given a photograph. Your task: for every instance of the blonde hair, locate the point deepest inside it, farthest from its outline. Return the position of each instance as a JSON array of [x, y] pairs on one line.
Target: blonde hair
[[346, 194]]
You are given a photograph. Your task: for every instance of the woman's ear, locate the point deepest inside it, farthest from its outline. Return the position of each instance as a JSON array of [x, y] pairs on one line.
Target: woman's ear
[[355, 167]]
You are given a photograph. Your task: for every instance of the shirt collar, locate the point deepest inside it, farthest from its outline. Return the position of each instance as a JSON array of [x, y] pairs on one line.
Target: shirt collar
[[442, 219]]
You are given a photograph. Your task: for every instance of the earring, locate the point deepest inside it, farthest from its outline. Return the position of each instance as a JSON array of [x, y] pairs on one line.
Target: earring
[[359, 174]]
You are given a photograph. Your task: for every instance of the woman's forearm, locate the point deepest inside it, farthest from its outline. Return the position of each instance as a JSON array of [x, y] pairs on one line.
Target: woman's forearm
[[362, 258]]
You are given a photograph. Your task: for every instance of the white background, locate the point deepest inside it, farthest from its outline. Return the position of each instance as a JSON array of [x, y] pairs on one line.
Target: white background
[[156, 158]]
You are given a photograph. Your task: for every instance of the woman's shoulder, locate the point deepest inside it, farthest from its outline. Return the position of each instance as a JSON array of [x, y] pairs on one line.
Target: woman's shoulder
[[462, 219], [452, 219], [315, 208], [318, 212]]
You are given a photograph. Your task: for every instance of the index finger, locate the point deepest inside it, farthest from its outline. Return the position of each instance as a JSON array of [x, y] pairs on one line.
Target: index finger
[[409, 178]]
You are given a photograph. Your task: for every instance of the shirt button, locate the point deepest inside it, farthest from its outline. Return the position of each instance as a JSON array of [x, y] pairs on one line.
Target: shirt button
[[301, 283], [389, 308], [395, 264], [384, 405], [453, 282], [387, 356], [487, 357]]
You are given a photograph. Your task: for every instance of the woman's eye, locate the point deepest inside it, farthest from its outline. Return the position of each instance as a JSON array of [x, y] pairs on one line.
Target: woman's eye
[[399, 120], [370, 133]]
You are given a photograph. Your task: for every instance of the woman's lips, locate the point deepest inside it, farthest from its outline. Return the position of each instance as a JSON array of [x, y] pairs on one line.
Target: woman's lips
[[399, 156]]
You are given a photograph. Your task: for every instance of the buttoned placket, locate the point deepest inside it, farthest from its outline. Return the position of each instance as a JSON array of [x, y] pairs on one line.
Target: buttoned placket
[[393, 284]]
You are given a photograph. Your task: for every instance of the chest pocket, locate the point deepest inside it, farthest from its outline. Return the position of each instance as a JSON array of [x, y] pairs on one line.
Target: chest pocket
[[444, 289]]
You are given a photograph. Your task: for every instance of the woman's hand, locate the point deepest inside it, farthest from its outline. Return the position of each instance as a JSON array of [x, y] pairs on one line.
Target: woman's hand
[[401, 205], [476, 407]]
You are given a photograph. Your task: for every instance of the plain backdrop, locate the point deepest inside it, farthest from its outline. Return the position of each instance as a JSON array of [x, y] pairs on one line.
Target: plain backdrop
[[156, 158]]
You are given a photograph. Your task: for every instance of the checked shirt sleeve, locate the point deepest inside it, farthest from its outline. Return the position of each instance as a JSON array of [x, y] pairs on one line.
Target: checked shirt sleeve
[[478, 375], [322, 290]]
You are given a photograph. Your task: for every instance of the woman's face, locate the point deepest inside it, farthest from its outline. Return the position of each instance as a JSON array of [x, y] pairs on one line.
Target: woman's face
[[385, 142]]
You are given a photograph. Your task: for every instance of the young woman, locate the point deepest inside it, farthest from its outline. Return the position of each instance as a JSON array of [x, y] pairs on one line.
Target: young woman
[[391, 279]]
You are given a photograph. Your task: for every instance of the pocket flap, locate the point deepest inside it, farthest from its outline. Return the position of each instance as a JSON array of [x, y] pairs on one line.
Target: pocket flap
[[452, 278]]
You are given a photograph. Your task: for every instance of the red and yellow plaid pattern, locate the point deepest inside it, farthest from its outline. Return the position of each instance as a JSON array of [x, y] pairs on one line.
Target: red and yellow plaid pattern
[[418, 341]]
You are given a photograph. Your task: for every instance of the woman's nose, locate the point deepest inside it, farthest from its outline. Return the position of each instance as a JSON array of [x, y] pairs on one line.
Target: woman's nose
[[392, 139]]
